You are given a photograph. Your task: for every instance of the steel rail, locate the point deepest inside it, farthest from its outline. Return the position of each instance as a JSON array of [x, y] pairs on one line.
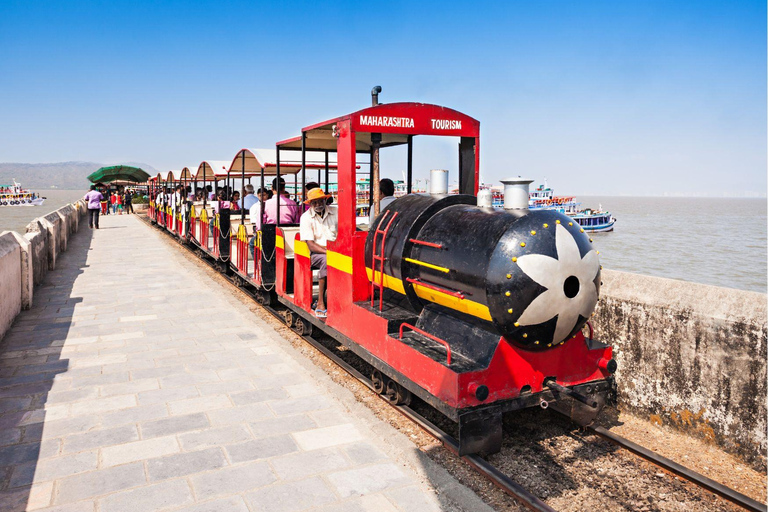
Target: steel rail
[[686, 473], [499, 479]]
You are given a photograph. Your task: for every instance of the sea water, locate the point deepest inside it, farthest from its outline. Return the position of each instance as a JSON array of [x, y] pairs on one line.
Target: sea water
[[721, 242]]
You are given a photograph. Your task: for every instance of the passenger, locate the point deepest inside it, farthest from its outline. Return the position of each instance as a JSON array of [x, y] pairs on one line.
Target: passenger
[[289, 210], [94, 198], [249, 199], [128, 201], [235, 203], [264, 194], [317, 227], [387, 190], [209, 190], [309, 186]]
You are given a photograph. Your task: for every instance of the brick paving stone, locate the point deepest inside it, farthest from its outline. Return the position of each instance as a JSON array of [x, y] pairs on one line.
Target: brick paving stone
[[370, 503], [304, 464], [298, 405], [291, 496], [100, 482], [103, 404], [232, 480], [224, 387], [156, 497], [80, 506], [232, 504], [167, 395], [363, 453], [183, 464], [30, 498], [72, 395], [134, 415], [201, 404], [215, 437], [242, 414], [19, 453], [69, 426], [261, 448], [53, 469], [139, 450], [328, 436], [100, 437], [258, 395], [134, 386], [286, 424], [10, 436], [367, 479], [413, 498]]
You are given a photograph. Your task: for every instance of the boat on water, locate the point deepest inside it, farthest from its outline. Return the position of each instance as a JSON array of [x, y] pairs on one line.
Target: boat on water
[[15, 195], [595, 220]]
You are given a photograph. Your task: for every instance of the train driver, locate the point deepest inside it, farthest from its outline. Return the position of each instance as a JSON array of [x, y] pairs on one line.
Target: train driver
[[387, 195], [317, 227]]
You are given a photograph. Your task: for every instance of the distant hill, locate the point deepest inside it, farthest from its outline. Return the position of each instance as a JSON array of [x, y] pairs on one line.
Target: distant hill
[[63, 175]]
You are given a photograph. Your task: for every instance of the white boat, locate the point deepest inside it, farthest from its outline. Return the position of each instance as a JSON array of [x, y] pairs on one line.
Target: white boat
[[15, 195], [544, 198]]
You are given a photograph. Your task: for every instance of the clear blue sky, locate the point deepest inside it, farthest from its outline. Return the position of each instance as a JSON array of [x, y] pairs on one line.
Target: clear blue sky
[[635, 97]]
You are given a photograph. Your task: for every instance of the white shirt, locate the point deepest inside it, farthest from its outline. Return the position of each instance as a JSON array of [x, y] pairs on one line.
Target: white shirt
[[320, 230], [382, 204], [254, 212]]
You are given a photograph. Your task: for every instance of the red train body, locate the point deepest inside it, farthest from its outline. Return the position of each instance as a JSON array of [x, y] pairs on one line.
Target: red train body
[[456, 333]]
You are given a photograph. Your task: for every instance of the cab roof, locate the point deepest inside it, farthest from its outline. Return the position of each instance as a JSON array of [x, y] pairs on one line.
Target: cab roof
[[395, 121]]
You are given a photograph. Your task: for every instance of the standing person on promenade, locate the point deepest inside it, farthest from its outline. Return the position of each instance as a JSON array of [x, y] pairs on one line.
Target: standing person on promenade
[[113, 202], [119, 203], [128, 201], [104, 202], [93, 197]]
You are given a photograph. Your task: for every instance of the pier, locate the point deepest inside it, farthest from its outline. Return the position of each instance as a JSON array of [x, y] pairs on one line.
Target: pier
[[136, 381]]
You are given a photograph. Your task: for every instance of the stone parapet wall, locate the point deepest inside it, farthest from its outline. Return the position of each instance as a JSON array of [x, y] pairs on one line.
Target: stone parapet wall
[[25, 259], [690, 356]]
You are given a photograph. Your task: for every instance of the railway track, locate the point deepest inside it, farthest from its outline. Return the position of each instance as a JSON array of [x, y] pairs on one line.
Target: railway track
[[481, 465]]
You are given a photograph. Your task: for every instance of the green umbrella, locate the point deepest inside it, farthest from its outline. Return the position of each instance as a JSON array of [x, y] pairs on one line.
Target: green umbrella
[[119, 173]]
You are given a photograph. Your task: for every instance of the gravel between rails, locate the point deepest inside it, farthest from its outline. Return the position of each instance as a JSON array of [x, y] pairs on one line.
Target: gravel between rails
[[570, 469]]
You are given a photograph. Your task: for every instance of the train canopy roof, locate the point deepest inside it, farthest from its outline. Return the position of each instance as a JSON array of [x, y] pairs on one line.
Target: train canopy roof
[[208, 170], [257, 159], [119, 173], [395, 121]]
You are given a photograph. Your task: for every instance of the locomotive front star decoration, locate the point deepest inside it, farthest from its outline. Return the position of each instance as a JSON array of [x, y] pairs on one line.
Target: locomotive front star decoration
[[570, 281]]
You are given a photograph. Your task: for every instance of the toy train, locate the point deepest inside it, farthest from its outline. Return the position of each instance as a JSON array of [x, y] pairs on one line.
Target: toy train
[[475, 310]]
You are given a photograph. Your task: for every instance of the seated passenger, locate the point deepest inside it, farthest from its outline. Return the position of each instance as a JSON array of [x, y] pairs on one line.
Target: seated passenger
[[289, 210], [249, 199], [317, 227], [387, 189]]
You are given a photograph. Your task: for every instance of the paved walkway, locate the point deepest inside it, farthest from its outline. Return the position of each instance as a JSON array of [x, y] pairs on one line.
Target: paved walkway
[[139, 383]]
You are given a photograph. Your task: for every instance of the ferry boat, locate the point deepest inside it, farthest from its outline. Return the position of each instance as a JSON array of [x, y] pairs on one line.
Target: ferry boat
[[543, 197], [14, 195]]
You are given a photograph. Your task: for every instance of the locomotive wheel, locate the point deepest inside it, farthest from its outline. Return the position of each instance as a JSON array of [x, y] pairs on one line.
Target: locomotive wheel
[[264, 297], [379, 382], [289, 318], [397, 394], [302, 327]]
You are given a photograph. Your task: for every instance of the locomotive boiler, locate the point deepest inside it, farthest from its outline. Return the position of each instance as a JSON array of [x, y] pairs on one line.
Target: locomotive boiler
[[530, 276]]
